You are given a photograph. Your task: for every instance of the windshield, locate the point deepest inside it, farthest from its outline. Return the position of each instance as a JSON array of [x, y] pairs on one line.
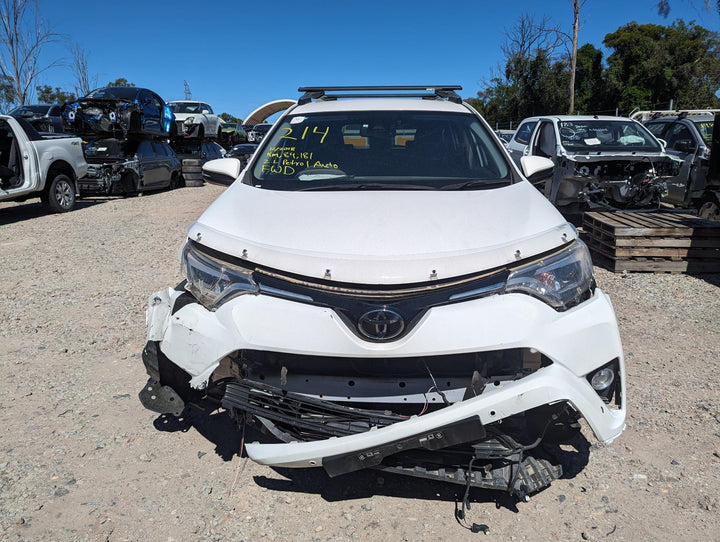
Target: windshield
[[606, 136], [706, 129], [31, 110], [381, 150], [118, 93], [180, 107], [262, 128]]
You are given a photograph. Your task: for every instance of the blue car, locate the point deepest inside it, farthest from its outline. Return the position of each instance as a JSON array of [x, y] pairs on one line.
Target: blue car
[[119, 112]]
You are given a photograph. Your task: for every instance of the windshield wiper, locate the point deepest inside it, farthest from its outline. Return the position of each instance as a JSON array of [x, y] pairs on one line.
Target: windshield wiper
[[477, 183], [368, 186]]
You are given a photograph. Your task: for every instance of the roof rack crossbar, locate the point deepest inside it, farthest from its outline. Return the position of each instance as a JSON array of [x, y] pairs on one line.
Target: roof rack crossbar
[[432, 92]]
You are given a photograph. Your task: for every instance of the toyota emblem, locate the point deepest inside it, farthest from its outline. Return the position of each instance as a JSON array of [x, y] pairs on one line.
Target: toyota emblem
[[381, 324]]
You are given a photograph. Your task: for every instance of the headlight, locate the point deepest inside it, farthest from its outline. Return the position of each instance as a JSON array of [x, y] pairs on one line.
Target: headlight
[[213, 282], [562, 280], [189, 120]]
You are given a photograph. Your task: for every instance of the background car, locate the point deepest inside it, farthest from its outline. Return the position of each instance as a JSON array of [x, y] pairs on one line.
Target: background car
[[195, 119], [242, 152], [118, 112], [258, 132], [505, 135], [688, 136], [123, 166], [43, 117], [600, 162], [518, 142], [232, 133], [193, 153]]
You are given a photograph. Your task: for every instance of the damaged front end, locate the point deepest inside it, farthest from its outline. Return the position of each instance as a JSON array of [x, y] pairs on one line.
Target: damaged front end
[[611, 181], [110, 178], [452, 395], [113, 118]]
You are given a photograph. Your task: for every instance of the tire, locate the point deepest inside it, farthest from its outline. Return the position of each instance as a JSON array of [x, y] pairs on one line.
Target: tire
[[710, 209], [174, 182], [192, 179], [59, 196]]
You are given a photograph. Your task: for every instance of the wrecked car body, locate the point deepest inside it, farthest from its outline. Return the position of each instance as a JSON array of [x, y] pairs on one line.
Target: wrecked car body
[[195, 119], [601, 163], [360, 295], [128, 166], [119, 112], [690, 136]]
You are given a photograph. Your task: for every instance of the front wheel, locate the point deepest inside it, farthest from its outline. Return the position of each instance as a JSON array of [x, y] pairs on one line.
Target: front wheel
[[710, 209], [59, 196]]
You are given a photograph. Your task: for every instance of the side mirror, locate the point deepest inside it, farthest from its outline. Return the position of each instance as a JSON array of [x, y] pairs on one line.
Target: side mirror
[[536, 168], [223, 171], [205, 112]]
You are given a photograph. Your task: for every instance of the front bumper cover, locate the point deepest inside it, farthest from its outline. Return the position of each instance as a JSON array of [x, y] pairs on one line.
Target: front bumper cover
[[577, 341]]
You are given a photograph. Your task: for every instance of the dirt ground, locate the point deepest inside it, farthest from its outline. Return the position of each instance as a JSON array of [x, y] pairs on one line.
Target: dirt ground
[[81, 459]]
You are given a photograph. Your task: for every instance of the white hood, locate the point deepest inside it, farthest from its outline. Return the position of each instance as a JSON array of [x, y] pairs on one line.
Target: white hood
[[382, 237]]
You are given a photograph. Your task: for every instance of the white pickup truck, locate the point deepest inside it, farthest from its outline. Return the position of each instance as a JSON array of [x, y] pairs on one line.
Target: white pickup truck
[[32, 165]]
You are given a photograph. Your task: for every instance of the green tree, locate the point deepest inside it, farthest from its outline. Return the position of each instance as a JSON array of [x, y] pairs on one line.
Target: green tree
[[48, 95], [650, 65], [120, 82], [590, 95], [7, 93], [227, 117]]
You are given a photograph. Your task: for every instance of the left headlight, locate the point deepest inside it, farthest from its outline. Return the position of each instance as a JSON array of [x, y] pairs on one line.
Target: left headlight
[[562, 280], [189, 120], [213, 282]]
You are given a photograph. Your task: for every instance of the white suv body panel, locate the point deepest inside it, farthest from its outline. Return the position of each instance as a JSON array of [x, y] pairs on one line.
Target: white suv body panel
[[400, 237]]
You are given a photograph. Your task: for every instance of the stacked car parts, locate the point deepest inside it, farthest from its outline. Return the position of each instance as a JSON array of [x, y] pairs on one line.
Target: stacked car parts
[[125, 130]]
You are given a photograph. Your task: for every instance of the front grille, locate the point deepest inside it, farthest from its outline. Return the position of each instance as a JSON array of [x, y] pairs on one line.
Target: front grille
[[360, 306]]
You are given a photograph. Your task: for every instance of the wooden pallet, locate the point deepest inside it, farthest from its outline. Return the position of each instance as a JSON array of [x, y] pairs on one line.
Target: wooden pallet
[[653, 242]]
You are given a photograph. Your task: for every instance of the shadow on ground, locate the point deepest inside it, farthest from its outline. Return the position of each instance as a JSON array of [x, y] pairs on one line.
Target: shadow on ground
[[219, 428], [20, 212]]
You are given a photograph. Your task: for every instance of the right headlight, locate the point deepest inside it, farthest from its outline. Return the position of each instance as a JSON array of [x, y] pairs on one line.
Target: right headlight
[[562, 280], [212, 281]]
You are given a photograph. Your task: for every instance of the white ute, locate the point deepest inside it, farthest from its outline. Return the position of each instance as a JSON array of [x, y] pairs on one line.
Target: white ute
[[382, 287], [34, 166]]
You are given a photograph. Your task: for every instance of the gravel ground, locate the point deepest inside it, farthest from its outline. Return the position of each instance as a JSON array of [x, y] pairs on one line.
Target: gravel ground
[[83, 460]]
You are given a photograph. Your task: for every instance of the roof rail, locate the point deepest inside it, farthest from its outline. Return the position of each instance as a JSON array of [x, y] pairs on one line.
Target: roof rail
[[441, 92], [647, 115]]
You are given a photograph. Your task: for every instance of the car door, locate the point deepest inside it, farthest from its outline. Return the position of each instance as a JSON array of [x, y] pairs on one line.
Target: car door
[[12, 172], [152, 112], [150, 175], [517, 145], [212, 121], [682, 144], [544, 142]]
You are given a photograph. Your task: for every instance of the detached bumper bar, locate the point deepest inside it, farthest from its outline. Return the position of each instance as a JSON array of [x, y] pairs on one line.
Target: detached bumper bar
[[547, 386]]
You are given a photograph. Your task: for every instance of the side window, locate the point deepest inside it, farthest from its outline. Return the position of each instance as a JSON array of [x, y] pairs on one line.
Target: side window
[[145, 149], [679, 137], [523, 133], [206, 106], [159, 149], [54, 111], [657, 129]]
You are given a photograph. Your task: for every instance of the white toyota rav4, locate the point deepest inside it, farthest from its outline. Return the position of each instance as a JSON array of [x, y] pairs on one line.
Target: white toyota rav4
[[382, 287]]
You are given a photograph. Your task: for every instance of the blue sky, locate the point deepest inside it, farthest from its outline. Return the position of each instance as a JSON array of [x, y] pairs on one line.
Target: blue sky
[[238, 55]]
